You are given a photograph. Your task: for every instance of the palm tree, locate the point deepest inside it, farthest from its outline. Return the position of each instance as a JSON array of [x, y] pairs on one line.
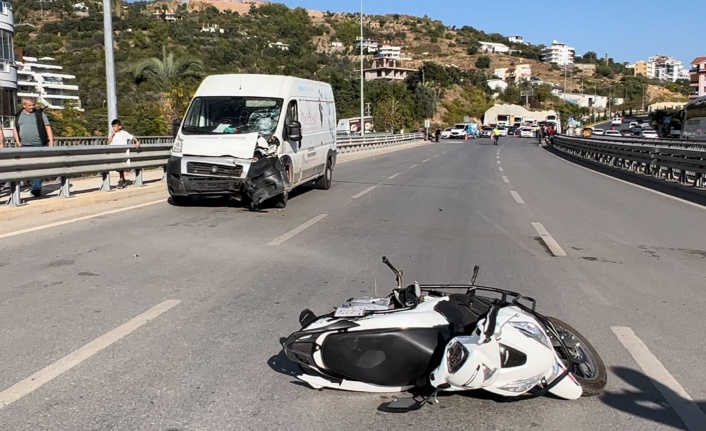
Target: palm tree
[[168, 75], [167, 71]]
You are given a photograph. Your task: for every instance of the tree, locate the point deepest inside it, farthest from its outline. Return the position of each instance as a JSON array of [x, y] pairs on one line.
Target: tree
[[387, 115], [166, 72], [169, 76], [67, 122], [483, 62], [425, 101]]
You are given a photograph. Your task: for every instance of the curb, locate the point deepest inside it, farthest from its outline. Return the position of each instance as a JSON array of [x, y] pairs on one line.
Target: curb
[[55, 204]]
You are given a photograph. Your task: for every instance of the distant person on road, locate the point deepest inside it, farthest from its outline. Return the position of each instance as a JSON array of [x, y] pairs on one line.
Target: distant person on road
[[32, 129], [437, 134], [496, 135], [121, 137]]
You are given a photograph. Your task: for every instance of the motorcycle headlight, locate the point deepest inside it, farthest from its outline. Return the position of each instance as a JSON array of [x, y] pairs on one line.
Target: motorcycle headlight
[[524, 385], [532, 331], [456, 356], [178, 145]]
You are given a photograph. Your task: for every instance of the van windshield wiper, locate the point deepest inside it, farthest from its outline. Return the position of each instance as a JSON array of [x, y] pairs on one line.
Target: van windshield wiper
[[197, 129]]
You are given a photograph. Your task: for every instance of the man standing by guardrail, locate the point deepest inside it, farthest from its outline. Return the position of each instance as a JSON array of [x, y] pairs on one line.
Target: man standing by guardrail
[[32, 129], [121, 137]]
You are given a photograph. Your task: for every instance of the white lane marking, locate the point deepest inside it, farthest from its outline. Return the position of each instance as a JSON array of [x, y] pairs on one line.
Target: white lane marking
[[505, 179], [435, 155], [425, 160], [501, 169], [364, 192], [297, 230], [498, 161], [393, 176], [634, 185], [498, 157], [682, 403], [554, 246], [517, 197], [412, 167], [26, 386], [78, 219]]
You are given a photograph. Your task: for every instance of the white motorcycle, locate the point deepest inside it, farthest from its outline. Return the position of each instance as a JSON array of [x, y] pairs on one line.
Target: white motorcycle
[[485, 338]]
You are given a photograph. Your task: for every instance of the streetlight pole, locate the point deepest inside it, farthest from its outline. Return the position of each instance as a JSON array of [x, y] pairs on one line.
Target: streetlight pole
[[362, 77], [111, 93]]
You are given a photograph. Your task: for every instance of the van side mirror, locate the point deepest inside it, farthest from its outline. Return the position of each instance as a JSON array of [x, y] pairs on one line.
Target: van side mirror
[[176, 124], [294, 131]]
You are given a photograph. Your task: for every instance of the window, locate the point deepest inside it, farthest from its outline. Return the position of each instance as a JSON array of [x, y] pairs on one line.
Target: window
[[6, 52]]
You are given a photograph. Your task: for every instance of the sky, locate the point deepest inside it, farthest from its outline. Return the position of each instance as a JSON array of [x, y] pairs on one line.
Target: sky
[[627, 30]]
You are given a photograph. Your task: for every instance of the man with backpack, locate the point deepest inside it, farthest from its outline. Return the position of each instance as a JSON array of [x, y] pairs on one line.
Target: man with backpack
[[32, 129]]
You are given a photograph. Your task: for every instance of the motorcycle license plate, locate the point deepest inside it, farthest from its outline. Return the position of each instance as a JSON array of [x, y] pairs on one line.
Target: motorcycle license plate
[[355, 311]]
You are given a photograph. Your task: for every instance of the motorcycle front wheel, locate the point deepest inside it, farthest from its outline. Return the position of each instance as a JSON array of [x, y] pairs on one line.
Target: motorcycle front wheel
[[588, 368]]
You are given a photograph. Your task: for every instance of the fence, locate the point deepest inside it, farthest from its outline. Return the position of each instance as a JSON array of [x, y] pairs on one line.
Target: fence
[[679, 161], [72, 157]]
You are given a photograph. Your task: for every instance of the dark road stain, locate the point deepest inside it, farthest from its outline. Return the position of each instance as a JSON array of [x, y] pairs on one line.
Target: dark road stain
[[88, 274], [59, 263]]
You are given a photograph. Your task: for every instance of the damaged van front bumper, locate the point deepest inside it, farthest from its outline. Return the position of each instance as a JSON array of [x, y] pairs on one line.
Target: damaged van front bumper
[[257, 180]]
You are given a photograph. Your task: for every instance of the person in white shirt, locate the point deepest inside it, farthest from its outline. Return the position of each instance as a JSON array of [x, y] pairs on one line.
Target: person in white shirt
[[121, 137]]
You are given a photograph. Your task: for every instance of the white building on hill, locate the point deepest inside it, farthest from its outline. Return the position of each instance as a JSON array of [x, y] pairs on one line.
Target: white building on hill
[[43, 80], [559, 53], [493, 47]]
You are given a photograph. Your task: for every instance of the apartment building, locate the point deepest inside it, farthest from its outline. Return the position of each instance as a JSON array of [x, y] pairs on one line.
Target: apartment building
[[697, 78], [8, 73], [389, 51], [660, 67], [42, 79], [559, 53]]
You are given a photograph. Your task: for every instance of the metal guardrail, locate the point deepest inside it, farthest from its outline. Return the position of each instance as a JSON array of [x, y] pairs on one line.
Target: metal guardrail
[[680, 161], [352, 144], [71, 157], [96, 140]]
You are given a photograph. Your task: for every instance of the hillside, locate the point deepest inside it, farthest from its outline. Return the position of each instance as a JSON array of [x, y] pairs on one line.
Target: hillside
[[238, 36]]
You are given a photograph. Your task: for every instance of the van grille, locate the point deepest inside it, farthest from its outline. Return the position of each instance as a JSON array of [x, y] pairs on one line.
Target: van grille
[[199, 168]]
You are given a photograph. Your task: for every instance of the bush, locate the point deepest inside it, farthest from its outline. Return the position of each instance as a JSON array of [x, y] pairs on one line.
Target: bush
[[483, 62]]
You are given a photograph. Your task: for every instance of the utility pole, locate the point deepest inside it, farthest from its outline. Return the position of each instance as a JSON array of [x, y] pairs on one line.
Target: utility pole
[[362, 77], [565, 64], [111, 93]]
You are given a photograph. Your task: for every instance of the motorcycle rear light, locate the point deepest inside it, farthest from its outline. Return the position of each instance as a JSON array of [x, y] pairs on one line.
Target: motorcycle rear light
[[456, 355]]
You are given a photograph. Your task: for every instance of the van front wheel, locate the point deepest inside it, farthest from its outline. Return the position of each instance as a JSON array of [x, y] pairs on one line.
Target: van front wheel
[[326, 179]]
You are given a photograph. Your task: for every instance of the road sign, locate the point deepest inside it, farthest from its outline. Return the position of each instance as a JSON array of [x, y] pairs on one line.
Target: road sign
[[427, 123]]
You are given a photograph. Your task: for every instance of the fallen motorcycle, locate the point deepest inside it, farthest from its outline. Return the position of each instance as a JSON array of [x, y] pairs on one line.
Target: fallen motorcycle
[[420, 336]]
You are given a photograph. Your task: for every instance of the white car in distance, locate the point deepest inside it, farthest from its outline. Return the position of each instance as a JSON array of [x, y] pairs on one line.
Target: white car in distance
[[446, 133], [648, 133], [526, 132], [598, 132], [612, 133]]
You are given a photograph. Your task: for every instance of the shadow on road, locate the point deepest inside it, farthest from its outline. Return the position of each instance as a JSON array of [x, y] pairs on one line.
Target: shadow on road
[[688, 193], [646, 400]]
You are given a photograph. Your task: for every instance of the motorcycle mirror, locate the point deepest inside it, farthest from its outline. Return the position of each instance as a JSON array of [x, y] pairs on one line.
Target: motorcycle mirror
[[401, 405]]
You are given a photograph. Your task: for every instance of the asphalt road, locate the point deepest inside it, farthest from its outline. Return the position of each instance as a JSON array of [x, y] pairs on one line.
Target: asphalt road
[[210, 358]]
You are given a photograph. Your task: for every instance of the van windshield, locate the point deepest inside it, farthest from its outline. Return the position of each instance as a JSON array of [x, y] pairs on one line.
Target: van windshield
[[228, 115]]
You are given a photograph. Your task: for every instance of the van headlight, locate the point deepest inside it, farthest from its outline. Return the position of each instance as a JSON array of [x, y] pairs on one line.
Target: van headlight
[[178, 145]]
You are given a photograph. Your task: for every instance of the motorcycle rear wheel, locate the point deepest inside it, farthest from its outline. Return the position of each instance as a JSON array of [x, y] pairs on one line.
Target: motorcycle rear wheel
[[588, 368]]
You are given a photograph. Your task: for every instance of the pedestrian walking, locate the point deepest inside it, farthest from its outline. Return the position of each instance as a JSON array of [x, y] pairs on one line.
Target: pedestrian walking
[[121, 137], [32, 129], [437, 134]]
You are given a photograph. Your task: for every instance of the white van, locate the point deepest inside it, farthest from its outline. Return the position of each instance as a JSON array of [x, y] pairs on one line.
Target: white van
[[255, 137]]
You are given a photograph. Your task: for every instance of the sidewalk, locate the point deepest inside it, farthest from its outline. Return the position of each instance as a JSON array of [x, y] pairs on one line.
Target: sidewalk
[[84, 191]]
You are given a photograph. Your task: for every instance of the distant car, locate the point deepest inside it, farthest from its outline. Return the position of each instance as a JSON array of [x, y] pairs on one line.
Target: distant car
[[598, 132], [512, 130], [637, 130], [485, 132], [648, 133], [502, 131], [617, 122], [446, 133], [459, 131], [526, 132], [633, 124], [612, 133], [626, 132]]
